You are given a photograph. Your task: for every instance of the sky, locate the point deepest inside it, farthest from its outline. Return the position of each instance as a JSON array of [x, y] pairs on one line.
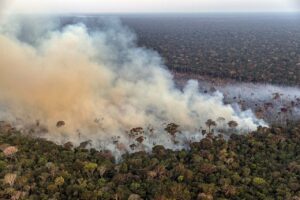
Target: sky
[[149, 6]]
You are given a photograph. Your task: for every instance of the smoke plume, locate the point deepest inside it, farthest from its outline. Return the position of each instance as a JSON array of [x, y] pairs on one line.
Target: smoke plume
[[101, 85], [2, 5]]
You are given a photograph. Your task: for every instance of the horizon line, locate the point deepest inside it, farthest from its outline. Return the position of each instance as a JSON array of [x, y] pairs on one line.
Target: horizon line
[[156, 13]]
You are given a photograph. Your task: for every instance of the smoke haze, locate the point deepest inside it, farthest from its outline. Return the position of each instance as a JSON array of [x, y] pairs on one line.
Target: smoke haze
[[2, 5], [101, 85]]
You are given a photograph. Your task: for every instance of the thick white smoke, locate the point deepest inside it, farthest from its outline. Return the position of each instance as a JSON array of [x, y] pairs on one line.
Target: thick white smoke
[[101, 85]]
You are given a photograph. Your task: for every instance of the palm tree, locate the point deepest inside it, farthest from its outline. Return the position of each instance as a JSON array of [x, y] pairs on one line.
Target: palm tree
[[209, 123], [232, 124]]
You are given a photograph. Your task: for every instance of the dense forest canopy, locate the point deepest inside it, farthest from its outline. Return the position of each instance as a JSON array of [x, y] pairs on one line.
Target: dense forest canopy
[[264, 164]]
